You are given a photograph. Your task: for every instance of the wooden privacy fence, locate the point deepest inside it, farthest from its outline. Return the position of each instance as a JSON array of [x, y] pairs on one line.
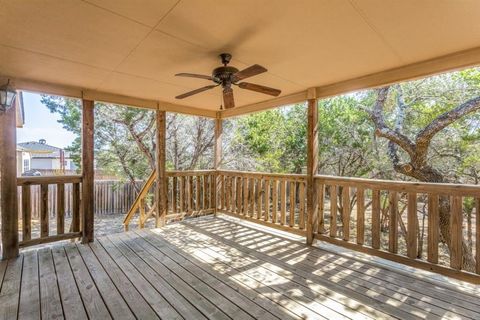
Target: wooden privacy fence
[[59, 197], [109, 196], [189, 193]]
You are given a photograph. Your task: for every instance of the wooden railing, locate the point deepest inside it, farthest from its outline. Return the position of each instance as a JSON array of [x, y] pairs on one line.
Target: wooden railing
[[430, 226], [190, 193], [406, 222], [276, 200], [46, 233]]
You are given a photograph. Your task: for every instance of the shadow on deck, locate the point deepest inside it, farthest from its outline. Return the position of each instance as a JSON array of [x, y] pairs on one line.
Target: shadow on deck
[[215, 268]]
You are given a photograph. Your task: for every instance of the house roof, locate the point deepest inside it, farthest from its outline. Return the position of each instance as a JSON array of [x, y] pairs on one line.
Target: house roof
[[41, 150], [128, 52]]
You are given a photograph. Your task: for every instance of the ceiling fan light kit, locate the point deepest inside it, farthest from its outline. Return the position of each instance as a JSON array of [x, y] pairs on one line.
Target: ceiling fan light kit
[[227, 76]]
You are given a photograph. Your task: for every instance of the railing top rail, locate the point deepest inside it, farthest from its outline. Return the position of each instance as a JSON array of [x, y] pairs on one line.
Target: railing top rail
[[403, 186], [286, 176], [180, 173], [48, 180]]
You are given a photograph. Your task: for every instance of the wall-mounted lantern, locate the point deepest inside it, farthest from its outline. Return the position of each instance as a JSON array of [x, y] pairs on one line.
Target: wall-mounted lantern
[[7, 97]]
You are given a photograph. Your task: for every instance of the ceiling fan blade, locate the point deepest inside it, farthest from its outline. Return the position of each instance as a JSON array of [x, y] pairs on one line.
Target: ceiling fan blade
[[193, 75], [259, 88], [249, 72], [228, 100], [191, 93]]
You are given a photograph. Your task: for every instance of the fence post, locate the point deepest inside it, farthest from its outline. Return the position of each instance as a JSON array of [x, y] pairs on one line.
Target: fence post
[[312, 166], [8, 187]]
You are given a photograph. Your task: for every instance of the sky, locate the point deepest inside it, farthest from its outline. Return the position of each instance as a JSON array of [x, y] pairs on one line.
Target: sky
[[41, 124]]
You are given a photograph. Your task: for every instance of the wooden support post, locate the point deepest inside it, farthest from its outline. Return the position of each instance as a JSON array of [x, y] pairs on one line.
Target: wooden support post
[[161, 190], [312, 168], [8, 187], [217, 157], [87, 171]]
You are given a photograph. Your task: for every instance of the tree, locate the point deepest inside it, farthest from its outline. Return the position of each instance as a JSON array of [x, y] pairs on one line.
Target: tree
[[270, 141], [125, 138], [413, 162]]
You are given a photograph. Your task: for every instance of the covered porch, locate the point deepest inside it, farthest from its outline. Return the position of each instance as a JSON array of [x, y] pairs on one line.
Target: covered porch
[[218, 268], [227, 243]]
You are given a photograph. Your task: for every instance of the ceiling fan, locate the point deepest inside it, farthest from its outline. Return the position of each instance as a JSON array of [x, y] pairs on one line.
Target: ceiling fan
[[226, 76]]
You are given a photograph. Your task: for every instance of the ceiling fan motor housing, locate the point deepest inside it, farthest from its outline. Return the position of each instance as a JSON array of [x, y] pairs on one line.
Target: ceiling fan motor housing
[[224, 75]]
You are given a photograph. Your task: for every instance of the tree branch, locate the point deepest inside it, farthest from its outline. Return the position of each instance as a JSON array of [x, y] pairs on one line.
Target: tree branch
[[382, 130], [444, 120]]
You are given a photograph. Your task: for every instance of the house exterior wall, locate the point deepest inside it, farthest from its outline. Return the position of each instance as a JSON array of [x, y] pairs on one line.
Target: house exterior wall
[[47, 164], [23, 157]]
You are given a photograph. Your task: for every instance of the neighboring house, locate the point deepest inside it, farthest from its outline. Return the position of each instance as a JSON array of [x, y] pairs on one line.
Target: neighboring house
[[41, 157], [23, 160]]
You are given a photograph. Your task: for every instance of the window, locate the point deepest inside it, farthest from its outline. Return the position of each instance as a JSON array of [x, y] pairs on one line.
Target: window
[[26, 165]]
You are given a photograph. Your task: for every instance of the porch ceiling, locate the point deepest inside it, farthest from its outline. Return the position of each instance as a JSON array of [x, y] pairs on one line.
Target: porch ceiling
[[134, 48]]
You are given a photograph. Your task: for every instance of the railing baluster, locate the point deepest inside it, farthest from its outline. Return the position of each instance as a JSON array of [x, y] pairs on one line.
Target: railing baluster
[[291, 219], [360, 215], [274, 200], [259, 196], [141, 219], [456, 221], [333, 211], [233, 198], [477, 237], [376, 219], [190, 194], [205, 192], [60, 208], [245, 196], [393, 222], [26, 212], [213, 192], [174, 195], [412, 228], [266, 185], [75, 225], [182, 194], [251, 196], [197, 193], [239, 194], [321, 207], [283, 202], [44, 218], [301, 204], [433, 228], [346, 212]]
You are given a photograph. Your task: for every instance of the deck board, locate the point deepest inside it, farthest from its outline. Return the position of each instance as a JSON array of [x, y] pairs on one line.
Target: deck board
[[29, 307], [372, 276], [215, 268]]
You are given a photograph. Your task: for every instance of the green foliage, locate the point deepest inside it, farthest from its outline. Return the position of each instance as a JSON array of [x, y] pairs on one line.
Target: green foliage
[[274, 139], [70, 112]]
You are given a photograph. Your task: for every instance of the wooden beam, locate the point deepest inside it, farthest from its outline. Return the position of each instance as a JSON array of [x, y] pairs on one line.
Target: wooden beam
[[161, 190], [298, 97], [312, 168], [8, 184], [87, 170], [217, 156]]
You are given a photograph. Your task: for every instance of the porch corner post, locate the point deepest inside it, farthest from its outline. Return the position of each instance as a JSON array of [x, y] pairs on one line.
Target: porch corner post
[[88, 174], [312, 168], [161, 190], [217, 158], [8, 187]]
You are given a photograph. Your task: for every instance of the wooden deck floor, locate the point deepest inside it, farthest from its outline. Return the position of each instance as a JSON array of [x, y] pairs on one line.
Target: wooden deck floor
[[214, 268]]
